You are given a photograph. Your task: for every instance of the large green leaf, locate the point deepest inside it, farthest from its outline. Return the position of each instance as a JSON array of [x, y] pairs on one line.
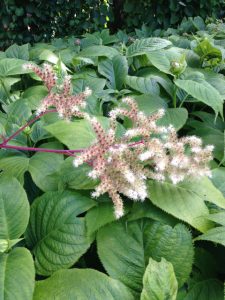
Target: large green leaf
[[203, 92], [159, 282], [144, 46], [215, 235], [183, 201], [86, 284], [149, 103], [209, 289], [76, 178], [55, 233], [15, 166], [125, 248], [143, 85], [14, 208], [78, 134], [16, 275], [174, 116], [98, 51], [12, 66], [161, 78], [218, 179], [98, 216], [44, 168], [160, 60], [115, 70], [15, 51]]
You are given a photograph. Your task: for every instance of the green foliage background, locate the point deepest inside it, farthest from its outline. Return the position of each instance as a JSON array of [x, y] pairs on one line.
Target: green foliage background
[[34, 20]]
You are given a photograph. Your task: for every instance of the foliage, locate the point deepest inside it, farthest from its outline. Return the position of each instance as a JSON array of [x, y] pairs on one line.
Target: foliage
[[49, 223], [33, 21]]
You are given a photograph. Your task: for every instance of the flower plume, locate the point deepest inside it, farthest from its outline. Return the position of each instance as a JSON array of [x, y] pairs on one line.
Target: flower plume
[[123, 166], [66, 104]]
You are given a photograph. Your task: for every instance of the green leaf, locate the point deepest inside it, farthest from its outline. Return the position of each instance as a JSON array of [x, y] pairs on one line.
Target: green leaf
[[76, 178], [161, 78], [159, 281], [203, 92], [84, 284], [218, 179], [57, 236], [99, 216], [14, 209], [182, 201], [208, 289], [77, 134], [174, 116], [12, 66], [98, 51], [143, 85], [15, 166], [218, 218], [215, 235], [144, 46], [125, 248], [34, 95], [16, 275], [15, 51], [160, 61], [149, 103], [115, 70], [44, 168]]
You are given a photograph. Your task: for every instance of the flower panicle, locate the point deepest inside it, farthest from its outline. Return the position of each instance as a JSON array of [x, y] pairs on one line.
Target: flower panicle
[[123, 167]]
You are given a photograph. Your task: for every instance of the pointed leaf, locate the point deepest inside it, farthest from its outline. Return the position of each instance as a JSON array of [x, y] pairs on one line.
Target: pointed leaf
[[182, 201], [159, 281], [203, 92]]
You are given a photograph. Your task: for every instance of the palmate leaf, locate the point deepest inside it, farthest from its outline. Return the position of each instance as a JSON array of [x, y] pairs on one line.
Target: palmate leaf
[[14, 208], [159, 282], [84, 284], [185, 201], [55, 233], [16, 275], [124, 249], [204, 92], [143, 46]]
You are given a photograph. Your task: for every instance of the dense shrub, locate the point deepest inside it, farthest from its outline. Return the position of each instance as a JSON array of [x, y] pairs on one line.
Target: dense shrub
[[34, 20]]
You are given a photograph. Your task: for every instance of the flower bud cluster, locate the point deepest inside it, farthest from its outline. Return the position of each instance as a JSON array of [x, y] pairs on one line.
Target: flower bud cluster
[[67, 105], [123, 166]]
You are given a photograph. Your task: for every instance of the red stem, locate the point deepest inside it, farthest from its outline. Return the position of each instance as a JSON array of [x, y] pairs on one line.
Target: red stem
[[23, 148], [27, 124]]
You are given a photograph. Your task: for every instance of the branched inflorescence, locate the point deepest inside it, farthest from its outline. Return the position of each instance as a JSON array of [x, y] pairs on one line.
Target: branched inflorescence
[[146, 150], [60, 97], [123, 166]]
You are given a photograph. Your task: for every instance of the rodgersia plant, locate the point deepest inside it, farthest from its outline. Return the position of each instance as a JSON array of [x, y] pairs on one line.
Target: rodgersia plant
[[124, 164]]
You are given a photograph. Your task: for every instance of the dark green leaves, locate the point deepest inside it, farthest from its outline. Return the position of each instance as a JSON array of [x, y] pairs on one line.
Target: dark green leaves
[[125, 248], [55, 232]]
